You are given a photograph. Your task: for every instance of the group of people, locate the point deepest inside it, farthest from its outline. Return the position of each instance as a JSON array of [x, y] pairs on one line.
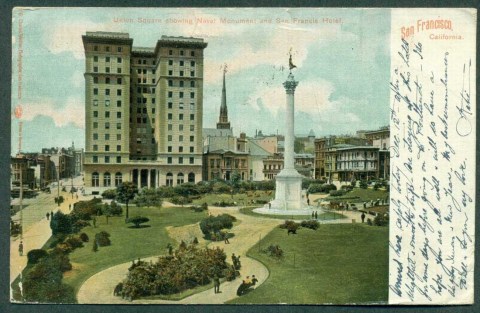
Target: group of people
[[247, 283], [236, 262], [314, 215], [49, 214]]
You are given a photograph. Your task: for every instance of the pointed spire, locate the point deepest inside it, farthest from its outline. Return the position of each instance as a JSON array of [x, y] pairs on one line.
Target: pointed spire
[[223, 122]]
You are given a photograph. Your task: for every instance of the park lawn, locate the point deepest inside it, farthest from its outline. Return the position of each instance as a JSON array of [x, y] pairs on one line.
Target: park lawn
[[337, 264], [321, 217], [127, 243], [361, 195], [239, 198]]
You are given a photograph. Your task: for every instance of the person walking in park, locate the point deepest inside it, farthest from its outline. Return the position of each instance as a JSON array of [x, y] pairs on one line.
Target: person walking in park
[[48, 216], [313, 215], [94, 221], [308, 201], [225, 238], [216, 284], [316, 215], [363, 217], [51, 214], [20, 248], [254, 280]]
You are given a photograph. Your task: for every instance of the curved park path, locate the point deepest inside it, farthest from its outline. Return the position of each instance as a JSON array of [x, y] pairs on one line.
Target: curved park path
[[99, 287]]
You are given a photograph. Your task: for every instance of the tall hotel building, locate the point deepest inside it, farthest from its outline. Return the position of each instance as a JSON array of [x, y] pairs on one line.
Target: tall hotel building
[[143, 111]]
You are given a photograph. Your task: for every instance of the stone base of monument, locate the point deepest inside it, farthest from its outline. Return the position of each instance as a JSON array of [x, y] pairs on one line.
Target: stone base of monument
[[289, 197]]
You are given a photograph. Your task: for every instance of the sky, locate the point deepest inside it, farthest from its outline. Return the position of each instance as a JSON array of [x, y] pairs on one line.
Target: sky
[[342, 58]]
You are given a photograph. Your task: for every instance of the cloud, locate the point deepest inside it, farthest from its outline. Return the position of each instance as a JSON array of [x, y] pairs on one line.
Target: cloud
[[72, 113], [77, 79]]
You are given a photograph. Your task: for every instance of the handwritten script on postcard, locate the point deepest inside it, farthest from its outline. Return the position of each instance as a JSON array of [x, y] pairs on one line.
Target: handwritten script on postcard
[[432, 202]]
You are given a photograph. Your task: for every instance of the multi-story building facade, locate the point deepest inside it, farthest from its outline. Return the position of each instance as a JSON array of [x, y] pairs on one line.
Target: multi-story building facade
[[380, 138], [143, 112], [356, 163], [272, 165]]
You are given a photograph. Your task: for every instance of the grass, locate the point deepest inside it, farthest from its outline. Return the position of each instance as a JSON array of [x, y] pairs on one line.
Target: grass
[[361, 195], [127, 243], [321, 217], [240, 198], [337, 263]]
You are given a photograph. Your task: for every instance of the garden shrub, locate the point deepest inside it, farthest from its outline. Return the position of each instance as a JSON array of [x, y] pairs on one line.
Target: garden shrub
[[180, 200], [337, 193], [363, 184], [290, 225], [109, 194], [223, 203], [79, 224], [33, 256], [148, 197], [273, 251], [230, 273], [188, 268], [212, 225], [102, 239], [347, 188], [61, 223], [312, 224], [84, 237], [137, 220], [74, 242], [323, 188]]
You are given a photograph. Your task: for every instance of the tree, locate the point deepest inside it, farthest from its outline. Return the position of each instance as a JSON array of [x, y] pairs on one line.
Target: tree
[[59, 200], [61, 223], [298, 146], [125, 192], [137, 220], [148, 197]]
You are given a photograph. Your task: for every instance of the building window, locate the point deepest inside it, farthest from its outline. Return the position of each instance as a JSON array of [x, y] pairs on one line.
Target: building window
[[95, 178], [153, 110], [119, 103], [107, 159], [170, 83], [119, 80], [95, 124], [170, 126], [95, 147], [95, 80], [170, 116], [107, 114], [170, 94], [192, 138], [170, 52], [95, 136], [107, 69], [180, 149], [107, 92], [107, 80], [192, 117], [169, 149], [107, 48], [95, 92], [170, 62], [181, 53], [95, 113], [169, 180], [119, 125], [95, 69], [192, 128], [181, 62], [170, 73], [107, 59], [192, 95], [180, 117], [191, 149], [153, 100], [107, 125], [107, 136], [119, 70], [119, 49], [192, 63], [179, 178], [169, 138], [170, 105], [180, 127], [192, 160], [192, 73], [95, 102], [191, 176], [169, 160], [192, 83], [119, 60], [180, 160], [180, 94], [192, 53], [95, 58], [119, 115], [180, 105], [95, 159], [106, 179], [118, 176], [119, 136], [180, 138], [181, 73], [107, 147]]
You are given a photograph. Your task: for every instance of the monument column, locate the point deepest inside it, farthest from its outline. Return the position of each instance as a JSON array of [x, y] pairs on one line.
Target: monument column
[[290, 86]]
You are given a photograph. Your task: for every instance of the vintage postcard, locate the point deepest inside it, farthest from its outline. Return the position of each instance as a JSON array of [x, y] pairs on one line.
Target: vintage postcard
[[243, 156]]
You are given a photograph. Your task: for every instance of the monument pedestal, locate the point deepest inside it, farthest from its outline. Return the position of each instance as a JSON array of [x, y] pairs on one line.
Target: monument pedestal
[[288, 191]]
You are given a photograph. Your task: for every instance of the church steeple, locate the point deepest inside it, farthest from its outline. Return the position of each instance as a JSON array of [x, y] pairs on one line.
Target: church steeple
[[223, 122]]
